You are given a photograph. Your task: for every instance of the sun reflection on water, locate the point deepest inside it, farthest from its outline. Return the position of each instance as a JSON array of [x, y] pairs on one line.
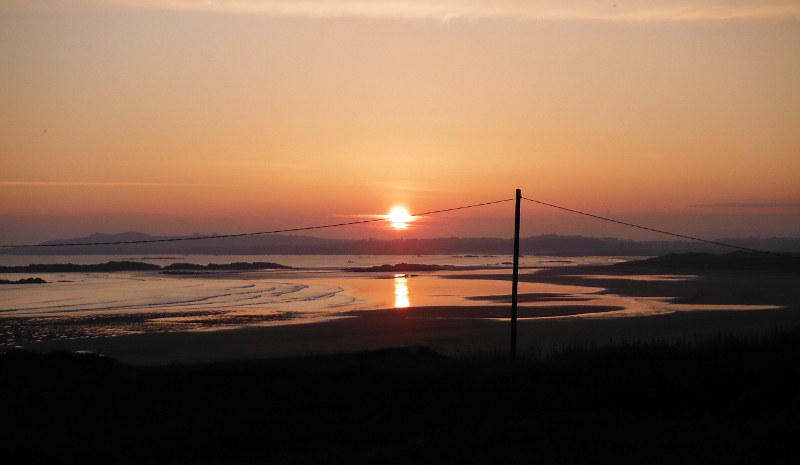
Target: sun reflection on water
[[401, 291]]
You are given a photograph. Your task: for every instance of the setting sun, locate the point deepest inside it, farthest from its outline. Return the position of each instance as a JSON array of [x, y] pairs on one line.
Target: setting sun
[[399, 218]]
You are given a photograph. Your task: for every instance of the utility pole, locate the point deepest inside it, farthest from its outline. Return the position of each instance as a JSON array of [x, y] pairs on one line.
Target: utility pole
[[515, 281]]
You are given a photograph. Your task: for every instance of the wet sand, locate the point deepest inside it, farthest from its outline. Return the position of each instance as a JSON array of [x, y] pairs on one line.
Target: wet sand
[[485, 329], [446, 330]]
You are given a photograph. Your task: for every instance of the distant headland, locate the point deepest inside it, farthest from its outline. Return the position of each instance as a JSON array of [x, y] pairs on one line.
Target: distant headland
[[277, 244]]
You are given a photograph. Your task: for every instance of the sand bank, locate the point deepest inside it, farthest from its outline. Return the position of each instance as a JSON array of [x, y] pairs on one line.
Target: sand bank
[[707, 304], [446, 330]]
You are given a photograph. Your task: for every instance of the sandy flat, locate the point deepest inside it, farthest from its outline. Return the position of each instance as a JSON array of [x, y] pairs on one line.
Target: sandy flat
[[444, 329], [713, 305]]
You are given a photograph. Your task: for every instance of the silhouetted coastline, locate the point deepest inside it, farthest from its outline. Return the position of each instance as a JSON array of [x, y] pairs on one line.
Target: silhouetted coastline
[[739, 260], [139, 266], [71, 267], [736, 278], [408, 267], [176, 268]]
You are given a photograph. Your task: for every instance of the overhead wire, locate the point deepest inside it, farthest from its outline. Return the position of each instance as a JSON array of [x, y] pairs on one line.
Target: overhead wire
[[387, 219], [259, 233], [683, 236]]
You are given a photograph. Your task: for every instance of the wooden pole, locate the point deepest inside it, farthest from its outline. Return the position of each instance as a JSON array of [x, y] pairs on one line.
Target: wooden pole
[[515, 281]]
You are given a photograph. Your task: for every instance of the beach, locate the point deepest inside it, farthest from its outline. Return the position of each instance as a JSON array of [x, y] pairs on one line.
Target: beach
[[621, 304], [620, 363], [450, 335]]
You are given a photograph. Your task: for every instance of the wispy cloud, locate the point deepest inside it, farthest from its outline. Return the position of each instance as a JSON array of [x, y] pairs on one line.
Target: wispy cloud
[[749, 205], [524, 10], [409, 188], [105, 183]]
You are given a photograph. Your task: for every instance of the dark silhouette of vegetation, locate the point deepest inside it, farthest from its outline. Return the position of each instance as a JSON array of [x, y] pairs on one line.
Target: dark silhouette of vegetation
[[24, 281], [721, 401], [138, 266]]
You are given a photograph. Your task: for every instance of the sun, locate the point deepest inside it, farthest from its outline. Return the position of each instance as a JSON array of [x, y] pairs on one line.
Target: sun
[[399, 218]]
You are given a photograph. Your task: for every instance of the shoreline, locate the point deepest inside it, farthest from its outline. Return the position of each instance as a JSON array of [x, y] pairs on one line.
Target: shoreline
[[704, 304], [377, 329]]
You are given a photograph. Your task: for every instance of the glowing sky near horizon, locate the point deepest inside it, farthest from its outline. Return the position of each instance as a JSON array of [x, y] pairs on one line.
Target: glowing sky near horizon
[[177, 116]]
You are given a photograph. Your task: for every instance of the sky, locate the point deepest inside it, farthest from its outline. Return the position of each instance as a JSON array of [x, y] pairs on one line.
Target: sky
[[175, 117]]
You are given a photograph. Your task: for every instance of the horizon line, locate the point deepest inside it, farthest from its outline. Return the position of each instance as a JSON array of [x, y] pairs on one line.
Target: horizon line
[[222, 236], [449, 10]]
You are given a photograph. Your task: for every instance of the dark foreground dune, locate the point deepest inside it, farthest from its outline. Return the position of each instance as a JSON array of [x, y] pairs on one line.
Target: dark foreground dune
[[733, 400]]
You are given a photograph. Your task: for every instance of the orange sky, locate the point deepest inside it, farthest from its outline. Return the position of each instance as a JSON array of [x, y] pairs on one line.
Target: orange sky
[[171, 118]]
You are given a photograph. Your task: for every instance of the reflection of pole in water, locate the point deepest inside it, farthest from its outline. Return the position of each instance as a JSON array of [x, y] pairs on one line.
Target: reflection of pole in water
[[401, 291]]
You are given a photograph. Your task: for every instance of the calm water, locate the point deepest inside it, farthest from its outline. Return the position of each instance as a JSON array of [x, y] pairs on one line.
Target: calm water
[[318, 284], [74, 305], [315, 261]]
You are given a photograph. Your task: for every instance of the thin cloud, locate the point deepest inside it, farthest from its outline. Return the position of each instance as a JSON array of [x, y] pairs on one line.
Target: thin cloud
[[585, 10], [373, 216], [749, 205], [409, 188], [103, 183], [361, 216]]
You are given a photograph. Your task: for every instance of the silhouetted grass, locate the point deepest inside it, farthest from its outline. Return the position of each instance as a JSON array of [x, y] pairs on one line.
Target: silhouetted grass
[[721, 401]]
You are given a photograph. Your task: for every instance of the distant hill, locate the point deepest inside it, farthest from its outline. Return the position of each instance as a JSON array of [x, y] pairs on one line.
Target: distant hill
[[100, 237], [276, 244], [739, 260]]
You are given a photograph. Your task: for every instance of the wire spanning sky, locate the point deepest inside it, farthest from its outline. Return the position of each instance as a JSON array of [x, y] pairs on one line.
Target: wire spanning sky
[[179, 116]]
